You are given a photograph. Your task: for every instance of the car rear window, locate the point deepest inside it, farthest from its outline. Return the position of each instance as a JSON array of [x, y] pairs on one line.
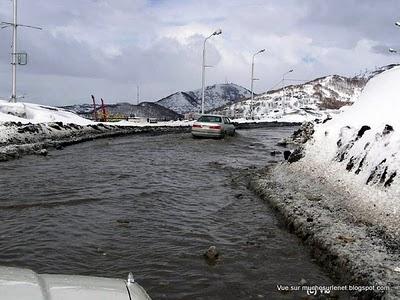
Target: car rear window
[[210, 119]]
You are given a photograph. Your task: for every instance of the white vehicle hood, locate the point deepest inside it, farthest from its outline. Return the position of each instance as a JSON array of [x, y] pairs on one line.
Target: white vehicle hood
[[24, 284]]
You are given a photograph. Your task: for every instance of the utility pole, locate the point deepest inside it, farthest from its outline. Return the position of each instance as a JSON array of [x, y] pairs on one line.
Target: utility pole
[[14, 55], [284, 91], [16, 58], [137, 95]]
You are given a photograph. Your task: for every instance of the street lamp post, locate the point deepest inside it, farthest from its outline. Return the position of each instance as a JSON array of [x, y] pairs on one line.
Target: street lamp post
[[16, 58], [14, 55], [391, 50], [284, 90], [204, 66], [252, 82]]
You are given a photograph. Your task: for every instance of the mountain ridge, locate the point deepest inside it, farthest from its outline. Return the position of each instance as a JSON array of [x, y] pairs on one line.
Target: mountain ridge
[[315, 96], [214, 96]]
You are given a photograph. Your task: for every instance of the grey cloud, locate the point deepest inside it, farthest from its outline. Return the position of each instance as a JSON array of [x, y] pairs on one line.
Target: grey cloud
[[109, 46]]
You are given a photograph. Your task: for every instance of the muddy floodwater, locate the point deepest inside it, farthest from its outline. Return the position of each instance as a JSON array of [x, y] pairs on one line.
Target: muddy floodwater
[[152, 205]]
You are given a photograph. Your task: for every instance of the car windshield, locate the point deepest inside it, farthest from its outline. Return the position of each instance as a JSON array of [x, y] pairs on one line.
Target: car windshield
[[210, 119]]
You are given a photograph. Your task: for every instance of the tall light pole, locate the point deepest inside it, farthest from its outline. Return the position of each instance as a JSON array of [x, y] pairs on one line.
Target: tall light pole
[[16, 58], [391, 50], [14, 55], [252, 82], [203, 69], [284, 89]]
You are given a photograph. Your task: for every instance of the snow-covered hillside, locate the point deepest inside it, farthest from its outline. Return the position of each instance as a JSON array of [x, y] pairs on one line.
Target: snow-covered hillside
[[316, 99], [214, 96], [330, 92], [359, 150]]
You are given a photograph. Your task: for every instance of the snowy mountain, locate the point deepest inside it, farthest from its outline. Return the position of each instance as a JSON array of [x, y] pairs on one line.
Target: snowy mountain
[[214, 96], [315, 98], [124, 109]]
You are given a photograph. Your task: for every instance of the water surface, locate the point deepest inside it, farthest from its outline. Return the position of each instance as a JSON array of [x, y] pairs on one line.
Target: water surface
[[152, 205]]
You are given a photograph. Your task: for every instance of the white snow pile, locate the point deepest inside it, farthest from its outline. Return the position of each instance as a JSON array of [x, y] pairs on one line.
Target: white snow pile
[[359, 151], [35, 113]]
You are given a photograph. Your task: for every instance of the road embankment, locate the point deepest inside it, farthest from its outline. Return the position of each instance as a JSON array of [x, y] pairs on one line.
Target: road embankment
[[17, 139], [251, 125]]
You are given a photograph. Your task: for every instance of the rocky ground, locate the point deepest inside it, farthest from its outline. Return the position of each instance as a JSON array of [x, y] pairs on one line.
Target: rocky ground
[[17, 139]]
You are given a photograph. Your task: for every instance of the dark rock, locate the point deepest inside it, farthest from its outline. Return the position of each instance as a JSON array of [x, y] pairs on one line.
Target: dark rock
[[362, 130], [378, 173], [339, 143], [390, 180], [95, 127], [211, 255], [383, 177], [42, 152], [361, 165], [388, 129], [55, 126], [350, 164], [296, 155], [327, 119], [309, 219], [286, 154]]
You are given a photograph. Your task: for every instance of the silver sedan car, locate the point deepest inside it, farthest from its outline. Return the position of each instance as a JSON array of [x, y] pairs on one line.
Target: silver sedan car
[[213, 126]]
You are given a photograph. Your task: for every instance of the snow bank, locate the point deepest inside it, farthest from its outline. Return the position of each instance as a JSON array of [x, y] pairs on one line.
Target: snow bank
[[35, 113], [358, 150]]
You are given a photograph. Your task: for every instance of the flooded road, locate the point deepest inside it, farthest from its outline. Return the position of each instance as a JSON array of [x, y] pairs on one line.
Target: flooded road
[[152, 205]]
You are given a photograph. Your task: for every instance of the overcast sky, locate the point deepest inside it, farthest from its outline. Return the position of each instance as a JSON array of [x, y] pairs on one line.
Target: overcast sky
[[108, 47]]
